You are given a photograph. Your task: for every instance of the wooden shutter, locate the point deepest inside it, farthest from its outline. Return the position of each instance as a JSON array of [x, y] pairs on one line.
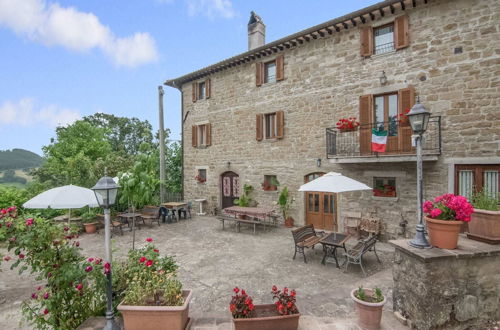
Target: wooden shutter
[[401, 39], [208, 134], [280, 68], [365, 121], [208, 88], [258, 123], [406, 100], [280, 124], [366, 40], [194, 135], [195, 92], [259, 73]]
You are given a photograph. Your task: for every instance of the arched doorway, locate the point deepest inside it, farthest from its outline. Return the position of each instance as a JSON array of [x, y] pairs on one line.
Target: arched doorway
[[230, 188], [321, 207]]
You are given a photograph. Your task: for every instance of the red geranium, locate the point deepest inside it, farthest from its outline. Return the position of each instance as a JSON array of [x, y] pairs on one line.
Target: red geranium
[[285, 304], [241, 305], [347, 123], [449, 207]]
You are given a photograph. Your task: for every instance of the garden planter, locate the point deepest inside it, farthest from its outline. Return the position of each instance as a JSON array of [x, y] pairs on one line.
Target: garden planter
[[345, 130], [157, 317], [91, 227], [267, 318], [443, 233], [369, 314], [289, 222], [485, 226]]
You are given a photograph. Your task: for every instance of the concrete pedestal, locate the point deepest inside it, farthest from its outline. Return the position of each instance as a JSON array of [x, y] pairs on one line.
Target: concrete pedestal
[[447, 289], [201, 201]]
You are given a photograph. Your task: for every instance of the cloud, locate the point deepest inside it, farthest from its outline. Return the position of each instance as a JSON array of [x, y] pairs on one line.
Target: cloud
[[211, 8], [26, 113], [53, 25]]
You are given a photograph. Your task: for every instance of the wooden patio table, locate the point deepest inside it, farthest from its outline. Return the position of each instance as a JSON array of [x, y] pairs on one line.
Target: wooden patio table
[[175, 206], [330, 244], [261, 213], [126, 216]]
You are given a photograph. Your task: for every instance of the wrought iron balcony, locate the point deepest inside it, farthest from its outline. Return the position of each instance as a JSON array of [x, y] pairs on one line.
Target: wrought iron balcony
[[353, 146]]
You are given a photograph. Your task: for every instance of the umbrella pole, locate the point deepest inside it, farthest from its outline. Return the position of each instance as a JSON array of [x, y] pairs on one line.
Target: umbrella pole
[[69, 217]]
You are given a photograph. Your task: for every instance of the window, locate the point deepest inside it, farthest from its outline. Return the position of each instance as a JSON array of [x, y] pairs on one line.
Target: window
[[384, 187], [475, 178], [270, 125], [385, 113], [270, 72], [201, 177], [270, 183], [201, 135], [201, 91], [384, 39]]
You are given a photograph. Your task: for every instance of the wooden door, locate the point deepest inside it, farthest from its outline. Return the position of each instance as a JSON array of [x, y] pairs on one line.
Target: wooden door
[[320, 207], [230, 188]]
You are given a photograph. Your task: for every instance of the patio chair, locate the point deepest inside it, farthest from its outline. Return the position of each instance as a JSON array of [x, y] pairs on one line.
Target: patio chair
[[186, 210], [166, 214], [355, 254], [115, 224], [305, 237], [150, 214]]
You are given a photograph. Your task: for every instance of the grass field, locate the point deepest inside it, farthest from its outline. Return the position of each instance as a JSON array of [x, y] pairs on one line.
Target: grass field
[[21, 174]]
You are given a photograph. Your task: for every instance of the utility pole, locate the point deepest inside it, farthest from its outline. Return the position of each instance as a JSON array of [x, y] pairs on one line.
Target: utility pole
[[162, 146]]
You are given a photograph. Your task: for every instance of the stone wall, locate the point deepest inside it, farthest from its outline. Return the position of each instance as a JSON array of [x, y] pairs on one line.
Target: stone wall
[[323, 81], [447, 289]]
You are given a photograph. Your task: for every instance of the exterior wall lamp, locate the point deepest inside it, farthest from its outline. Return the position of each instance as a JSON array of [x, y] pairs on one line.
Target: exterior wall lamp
[[383, 78], [318, 162]]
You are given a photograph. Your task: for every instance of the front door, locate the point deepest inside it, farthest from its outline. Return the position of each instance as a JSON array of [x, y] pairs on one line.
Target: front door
[[230, 188], [320, 207]]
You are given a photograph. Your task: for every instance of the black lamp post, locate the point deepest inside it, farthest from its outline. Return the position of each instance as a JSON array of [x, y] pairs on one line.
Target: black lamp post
[[105, 191], [419, 119]]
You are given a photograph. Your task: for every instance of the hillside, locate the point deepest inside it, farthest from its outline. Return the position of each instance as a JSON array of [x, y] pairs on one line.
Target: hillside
[[18, 159]]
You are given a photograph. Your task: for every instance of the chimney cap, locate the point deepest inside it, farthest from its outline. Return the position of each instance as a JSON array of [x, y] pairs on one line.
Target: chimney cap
[[254, 18]]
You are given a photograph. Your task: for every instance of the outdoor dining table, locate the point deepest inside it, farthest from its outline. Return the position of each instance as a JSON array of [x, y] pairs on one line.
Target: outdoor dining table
[[175, 206], [261, 213], [330, 244], [124, 217]]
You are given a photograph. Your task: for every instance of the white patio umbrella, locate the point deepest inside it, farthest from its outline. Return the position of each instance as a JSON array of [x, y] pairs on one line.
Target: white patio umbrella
[[335, 183], [65, 197]]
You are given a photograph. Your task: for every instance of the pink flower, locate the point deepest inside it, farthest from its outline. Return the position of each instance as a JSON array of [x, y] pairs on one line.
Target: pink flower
[[39, 288], [435, 213], [98, 261], [142, 259], [156, 250], [79, 286], [49, 275], [46, 295], [45, 311], [21, 256], [149, 239], [149, 263], [428, 206], [34, 295], [29, 222], [236, 290], [88, 269], [90, 259], [107, 268], [66, 228], [7, 258], [3, 211], [8, 224]]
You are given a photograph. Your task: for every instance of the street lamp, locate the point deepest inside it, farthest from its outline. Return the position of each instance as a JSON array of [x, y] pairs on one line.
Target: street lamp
[[105, 191], [419, 118]]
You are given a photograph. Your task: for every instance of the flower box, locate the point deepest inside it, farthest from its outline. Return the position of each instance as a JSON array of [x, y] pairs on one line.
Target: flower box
[[485, 226], [266, 317], [157, 317]]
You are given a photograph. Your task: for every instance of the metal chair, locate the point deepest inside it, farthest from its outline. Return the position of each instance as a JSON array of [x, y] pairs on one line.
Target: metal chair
[[355, 254], [186, 210], [166, 214]]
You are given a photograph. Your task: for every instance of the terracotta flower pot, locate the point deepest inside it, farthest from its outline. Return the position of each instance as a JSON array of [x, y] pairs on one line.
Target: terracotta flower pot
[[91, 227], [267, 318], [369, 314], [157, 317], [443, 233], [289, 222], [485, 226]]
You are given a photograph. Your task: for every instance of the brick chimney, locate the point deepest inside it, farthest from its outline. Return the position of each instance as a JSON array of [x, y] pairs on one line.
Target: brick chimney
[[256, 31]]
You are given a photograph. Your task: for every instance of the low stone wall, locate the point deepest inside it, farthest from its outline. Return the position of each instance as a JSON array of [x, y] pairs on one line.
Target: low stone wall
[[447, 289]]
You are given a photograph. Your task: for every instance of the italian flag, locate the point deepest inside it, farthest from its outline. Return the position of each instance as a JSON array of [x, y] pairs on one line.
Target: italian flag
[[379, 140]]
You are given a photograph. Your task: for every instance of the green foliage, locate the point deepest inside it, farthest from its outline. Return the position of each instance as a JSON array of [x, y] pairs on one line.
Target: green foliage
[[173, 165], [89, 216], [139, 185], [75, 286], [12, 196], [484, 200], [9, 176], [19, 159], [146, 278], [360, 294], [285, 201], [245, 200], [125, 135], [375, 297], [378, 296]]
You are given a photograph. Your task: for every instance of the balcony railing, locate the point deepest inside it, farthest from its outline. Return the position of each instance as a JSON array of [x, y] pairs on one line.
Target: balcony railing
[[357, 143]]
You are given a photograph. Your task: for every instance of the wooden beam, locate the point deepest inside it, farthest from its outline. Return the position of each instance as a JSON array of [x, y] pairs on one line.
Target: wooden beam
[[372, 16], [293, 43], [363, 19], [392, 9], [329, 29], [425, 1], [337, 28], [307, 38], [402, 5], [344, 24], [381, 12], [353, 22]]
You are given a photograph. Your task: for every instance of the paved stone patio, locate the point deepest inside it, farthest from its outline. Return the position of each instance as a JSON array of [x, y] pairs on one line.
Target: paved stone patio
[[213, 261]]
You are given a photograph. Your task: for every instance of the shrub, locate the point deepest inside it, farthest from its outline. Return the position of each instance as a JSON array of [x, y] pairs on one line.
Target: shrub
[[484, 200], [375, 297], [241, 305]]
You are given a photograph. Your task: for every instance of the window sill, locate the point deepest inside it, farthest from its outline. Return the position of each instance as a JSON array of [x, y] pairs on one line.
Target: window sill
[[374, 56], [202, 147], [385, 199], [269, 140]]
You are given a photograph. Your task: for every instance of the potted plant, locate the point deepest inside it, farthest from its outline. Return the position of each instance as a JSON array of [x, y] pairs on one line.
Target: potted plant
[[153, 296], [369, 304], [244, 200], [485, 224], [282, 315], [347, 124], [200, 179], [284, 202], [89, 221], [403, 118], [444, 218]]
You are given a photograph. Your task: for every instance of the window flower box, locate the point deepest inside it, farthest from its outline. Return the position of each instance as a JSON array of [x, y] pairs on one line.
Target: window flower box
[[347, 124]]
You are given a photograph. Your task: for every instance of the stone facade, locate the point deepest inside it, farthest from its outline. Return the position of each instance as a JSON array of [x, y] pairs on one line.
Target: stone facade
[[447, 289], [453, 61]]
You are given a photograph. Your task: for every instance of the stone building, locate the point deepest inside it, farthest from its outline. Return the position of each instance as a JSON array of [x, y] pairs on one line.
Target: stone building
[[272, 111]]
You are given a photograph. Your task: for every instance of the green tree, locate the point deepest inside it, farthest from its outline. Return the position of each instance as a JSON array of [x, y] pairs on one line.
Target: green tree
[[125, 135], [173, 165]]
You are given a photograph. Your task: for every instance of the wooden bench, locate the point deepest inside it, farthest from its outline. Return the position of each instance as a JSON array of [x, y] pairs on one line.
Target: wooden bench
[[305, 237], [355, 254], [150, 214], [238, 221], [115, 224]]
